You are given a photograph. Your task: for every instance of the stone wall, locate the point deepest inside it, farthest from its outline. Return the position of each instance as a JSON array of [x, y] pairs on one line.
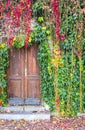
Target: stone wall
[[2, 33], [3, 37]]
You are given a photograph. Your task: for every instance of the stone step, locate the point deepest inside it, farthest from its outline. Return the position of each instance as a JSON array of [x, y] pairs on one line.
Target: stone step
[[25, 116], [81, 114], [23, 108], [24, 112]]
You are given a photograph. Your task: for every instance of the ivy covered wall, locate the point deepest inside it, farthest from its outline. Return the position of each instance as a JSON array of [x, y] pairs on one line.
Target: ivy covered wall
[[59, 31]]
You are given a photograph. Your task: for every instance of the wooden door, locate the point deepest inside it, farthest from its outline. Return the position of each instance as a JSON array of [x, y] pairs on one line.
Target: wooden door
[[23, 76]]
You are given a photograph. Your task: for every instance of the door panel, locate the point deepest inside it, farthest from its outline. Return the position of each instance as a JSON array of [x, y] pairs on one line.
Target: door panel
[[23, 76], [16, 62], [33, 90], [32, 62], [15, 73], [33, 80], [15, 88]]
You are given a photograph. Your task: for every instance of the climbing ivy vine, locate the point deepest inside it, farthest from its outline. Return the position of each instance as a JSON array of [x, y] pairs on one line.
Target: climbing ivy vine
[[70, 76], [4, 62], [47, 77]]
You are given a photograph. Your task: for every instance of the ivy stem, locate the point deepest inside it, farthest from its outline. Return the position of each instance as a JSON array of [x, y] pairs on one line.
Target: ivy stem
[[56, 90], [70, 87], [80, 66]]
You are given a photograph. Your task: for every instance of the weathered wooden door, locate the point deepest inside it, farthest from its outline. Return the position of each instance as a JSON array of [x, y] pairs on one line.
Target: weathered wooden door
[[23, 76]]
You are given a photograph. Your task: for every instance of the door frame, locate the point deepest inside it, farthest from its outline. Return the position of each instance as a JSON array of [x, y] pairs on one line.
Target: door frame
[[25, 82]]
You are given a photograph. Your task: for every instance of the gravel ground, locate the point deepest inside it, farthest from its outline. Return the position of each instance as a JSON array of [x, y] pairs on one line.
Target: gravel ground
[[54, 124]]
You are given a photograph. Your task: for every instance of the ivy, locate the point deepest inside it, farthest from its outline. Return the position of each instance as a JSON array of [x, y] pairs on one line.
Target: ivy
[[38, 9], [16, 12], [41, 35], [4, 62], [18, 41], [71, 75], [47, 78]]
